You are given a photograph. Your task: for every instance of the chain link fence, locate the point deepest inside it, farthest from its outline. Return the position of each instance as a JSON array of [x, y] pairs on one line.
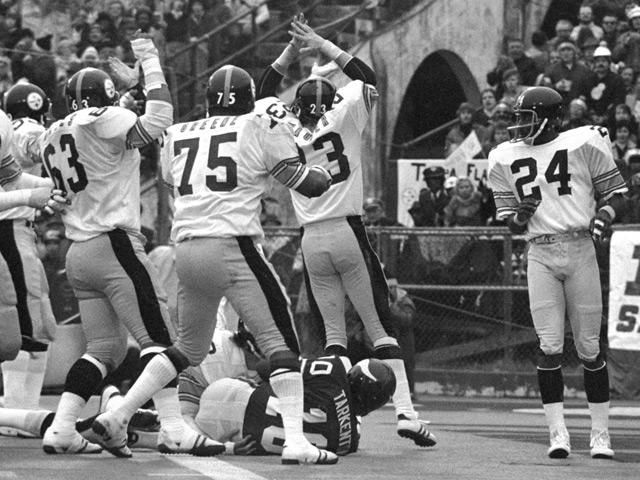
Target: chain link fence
[[468, 286]]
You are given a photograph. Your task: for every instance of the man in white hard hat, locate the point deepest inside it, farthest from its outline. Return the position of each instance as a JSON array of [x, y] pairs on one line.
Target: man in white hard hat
[[605, 88]]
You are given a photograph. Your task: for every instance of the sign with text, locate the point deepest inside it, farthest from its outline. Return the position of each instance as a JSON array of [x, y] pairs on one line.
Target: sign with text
[[410, 180], [624, 291]]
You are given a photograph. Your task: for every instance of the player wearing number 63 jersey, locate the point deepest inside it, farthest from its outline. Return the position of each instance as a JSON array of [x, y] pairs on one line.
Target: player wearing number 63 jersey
[[218, 168], [338, 258], [545, 185]]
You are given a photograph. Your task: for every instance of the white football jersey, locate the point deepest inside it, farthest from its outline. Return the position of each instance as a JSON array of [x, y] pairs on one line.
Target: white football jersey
[[218, 167], [335, 144], [87, 155], [24, 149], [565, 173]]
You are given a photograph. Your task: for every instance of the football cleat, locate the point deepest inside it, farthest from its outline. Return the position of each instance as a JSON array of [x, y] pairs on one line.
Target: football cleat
[[560, 444], [107, 394], [307, 454], [416, 430], [191, 443], [63, 442], [113, 434], [600, 444]]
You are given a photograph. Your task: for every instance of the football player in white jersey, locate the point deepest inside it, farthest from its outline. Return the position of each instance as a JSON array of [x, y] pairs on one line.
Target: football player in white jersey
[[545, 185], [218, 168], [22, 378], [92, 154], [338, 258]]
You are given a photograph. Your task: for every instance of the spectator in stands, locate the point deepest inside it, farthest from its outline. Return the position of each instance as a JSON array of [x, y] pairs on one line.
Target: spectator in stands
[[511, 87], [563, 33], [569, 77], [450, 185], [10, 30], [463, 210], [6, 77], [116, 11], [494, 77], [539, 50], [577, 115], [459, 132], [375, 216], [627, 47], [525, 65], [144, 21], [605, 87], [503, 112], [609, 29], [89, 58], [619, 113], [628, 76], [587, 47], [623, 142], [34, 64], [482, 116], [428, 210], [80, 27], [110, 34], [258, 19], [585, 17], [496, 134], [629, 165], [65, 59], [633, 98], [403, 312]]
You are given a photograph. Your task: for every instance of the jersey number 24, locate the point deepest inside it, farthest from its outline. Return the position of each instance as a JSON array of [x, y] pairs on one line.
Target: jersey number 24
[[557, 171]]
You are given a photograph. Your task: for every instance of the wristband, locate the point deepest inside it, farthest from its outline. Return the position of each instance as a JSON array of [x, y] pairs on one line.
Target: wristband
[[610, 211], [153, 75]]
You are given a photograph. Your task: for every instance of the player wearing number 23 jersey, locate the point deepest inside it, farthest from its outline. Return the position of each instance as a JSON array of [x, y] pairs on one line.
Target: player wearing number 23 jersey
[[545, 185], [338, 258]]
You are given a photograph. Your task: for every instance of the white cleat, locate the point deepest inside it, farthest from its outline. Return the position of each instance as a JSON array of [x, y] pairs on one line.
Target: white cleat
[[601, 444], [560, 443], [113, 434], [416, 430], [307, 454], [107, 394], [188, 442], [67, 442], [15, 432]]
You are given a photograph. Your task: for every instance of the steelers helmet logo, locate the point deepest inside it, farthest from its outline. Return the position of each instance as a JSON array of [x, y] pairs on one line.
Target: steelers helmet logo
[[35, 101], [109, 88]]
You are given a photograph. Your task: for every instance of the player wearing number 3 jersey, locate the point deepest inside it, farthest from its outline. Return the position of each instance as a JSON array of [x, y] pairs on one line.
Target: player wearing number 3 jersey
[[219, 167], [545, 185], [338, 258]]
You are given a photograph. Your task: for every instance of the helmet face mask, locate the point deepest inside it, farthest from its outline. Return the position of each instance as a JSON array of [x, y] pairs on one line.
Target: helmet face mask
[[537, 110], [526, 126]]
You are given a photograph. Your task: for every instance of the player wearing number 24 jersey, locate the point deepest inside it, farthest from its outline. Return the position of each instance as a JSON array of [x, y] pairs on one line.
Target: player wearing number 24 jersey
[[545, 185], [338, 258]]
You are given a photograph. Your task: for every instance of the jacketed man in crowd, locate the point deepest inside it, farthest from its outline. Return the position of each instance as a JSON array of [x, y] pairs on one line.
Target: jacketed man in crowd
[[219, 167], [22, 378], [92, 154], [545, 185], [338, 258]]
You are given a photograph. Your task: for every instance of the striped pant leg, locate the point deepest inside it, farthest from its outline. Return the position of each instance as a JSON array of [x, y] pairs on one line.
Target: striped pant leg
[[260, 299], [10, 338]]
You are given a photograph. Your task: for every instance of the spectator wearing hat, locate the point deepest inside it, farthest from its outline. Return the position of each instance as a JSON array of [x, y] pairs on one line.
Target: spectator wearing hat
[[569, 77], [577, 115], [585, 17], [539, 50], [428, 210], [375, 215], [512, 87], [622, 144], [627, 48], [563, 33], [605, 87], [483, 115], [450, 184], [463, 210], [462, 129]]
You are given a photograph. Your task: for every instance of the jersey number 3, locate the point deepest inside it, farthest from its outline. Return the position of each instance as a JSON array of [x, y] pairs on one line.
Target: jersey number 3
[[557, 171], [68, 147], [215, 160]]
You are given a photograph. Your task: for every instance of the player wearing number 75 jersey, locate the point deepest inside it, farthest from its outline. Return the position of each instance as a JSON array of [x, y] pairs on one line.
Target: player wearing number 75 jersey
[[338, 258], [545, 185], [218, 168]]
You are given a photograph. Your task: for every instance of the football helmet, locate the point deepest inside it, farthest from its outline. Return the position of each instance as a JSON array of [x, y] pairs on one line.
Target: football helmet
[[230, 91], [314, 98], [90, 87], [536, 109], [26, 100], [372, 383]]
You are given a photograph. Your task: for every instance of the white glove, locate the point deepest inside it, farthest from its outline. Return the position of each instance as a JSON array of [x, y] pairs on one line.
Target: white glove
[[143, 48]]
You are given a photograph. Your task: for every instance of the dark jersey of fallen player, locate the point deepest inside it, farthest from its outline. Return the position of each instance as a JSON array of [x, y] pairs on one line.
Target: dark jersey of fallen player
[[329, 421]]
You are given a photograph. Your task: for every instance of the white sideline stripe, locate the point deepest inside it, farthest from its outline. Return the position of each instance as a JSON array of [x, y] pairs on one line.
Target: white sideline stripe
[[8, 474], [214, 468], [584, 412]]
